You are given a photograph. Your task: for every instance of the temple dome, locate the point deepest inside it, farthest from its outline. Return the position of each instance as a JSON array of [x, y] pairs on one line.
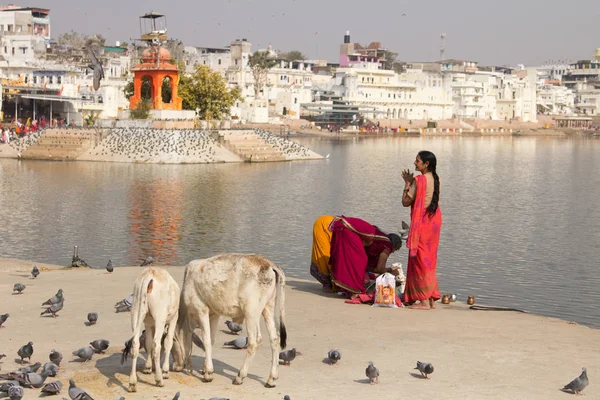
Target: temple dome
[[149, 55]]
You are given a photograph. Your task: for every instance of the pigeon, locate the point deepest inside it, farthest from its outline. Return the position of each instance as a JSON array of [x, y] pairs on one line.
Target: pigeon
[[286, 397], [288, 356], [19, 287], [125, 304], [2, 356], [7, 385], [424, 368], [197, 341], [55, 357], [26, 351], [239, 343], [404, 231], [100, 345], [372, 373], [3, 318], [233, 327], [149, 260], [92, 318], [52, 387], [334, 356], [85, 353], [30, 368], [57, 298], [176, 396], [32, 379], [109, 267], [579, 383], [76, 393], [35, 272], [53, 309], [51, 368], [15, 392]]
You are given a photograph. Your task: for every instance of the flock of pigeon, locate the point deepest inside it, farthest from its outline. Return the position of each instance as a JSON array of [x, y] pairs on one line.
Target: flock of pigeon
[[28, 377], [291, 150], [143, 144]]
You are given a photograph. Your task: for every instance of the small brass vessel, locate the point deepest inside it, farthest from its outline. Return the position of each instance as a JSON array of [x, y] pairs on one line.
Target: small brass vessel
[[445, 299], [471, 300]]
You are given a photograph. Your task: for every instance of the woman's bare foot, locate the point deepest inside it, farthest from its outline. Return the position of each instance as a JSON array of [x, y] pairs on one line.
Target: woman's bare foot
[[327, 289], [432, 304], [422, 305]]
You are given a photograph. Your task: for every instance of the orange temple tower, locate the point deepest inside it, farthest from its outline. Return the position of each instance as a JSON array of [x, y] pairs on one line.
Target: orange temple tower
[[156, 78]]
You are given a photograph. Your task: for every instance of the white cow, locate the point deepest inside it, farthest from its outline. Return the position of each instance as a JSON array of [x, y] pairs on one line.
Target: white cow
[[239, 286], [155, 305]]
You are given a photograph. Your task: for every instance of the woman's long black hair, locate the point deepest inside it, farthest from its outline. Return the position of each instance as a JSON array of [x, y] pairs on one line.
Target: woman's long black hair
[[427, 156]]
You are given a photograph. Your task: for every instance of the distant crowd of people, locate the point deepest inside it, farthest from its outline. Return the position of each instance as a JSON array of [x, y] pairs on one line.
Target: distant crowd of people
[[17, 128]]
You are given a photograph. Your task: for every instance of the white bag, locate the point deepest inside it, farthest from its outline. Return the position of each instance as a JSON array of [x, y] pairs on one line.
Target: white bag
[[385, 291]]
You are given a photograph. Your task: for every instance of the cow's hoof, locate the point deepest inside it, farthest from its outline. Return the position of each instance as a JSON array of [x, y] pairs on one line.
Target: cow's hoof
[[147, 371], [208, 378], [270, 384], [132, 388], [238, 381], [165, 375], [177, 369], [160, 383]]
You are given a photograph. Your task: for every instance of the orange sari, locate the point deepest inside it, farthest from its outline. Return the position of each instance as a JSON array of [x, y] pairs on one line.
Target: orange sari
[[423, 241]]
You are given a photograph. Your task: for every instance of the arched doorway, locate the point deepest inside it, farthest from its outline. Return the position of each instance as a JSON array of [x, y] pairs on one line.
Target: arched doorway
[[167, 89], [146, 89]]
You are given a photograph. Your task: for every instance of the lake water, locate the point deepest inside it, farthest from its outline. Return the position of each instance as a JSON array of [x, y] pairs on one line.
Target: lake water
[[521, 215]]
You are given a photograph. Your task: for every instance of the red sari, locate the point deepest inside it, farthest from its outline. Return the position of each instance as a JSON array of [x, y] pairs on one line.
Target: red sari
[[348, 256], [423, 240]]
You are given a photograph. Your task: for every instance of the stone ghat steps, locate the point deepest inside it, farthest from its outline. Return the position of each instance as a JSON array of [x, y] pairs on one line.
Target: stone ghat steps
[[60, 146], [250, 147]]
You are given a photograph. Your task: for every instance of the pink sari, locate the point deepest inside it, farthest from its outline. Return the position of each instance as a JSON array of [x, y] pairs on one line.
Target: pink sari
[[423, 241], [348, 256]]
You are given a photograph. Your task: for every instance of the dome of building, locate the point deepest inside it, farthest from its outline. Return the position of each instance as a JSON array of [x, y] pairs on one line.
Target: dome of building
[[149, 55]]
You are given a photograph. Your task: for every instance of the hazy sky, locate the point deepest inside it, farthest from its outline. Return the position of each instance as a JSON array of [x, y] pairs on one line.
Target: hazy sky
[[506, 32]]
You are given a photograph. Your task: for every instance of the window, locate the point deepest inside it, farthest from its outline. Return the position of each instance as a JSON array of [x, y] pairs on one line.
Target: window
[[5, 50], [50, 79], [35, 79], [219, 61], [236, 62], [59, 79], [23, 50], [295, 100]]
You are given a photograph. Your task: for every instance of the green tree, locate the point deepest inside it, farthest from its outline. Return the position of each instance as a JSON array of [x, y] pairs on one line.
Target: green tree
[[142, 111], [260, 62], [293, 55], [207, 91], [128, 89], [390, 59]]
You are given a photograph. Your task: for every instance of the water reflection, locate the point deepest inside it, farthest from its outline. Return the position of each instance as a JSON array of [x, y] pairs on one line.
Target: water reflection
[[521, 224]]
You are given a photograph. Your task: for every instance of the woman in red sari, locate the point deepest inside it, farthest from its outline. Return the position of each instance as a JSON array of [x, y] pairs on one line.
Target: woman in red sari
[[422, 194], [356, 247]]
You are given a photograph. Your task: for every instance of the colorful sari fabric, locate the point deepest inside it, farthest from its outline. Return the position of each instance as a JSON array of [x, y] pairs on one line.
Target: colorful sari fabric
[[375, 249], [348, 256], [423, 240], [321, 248]]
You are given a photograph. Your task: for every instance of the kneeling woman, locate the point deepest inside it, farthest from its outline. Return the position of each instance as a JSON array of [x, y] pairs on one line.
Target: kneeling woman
[[358, 247]]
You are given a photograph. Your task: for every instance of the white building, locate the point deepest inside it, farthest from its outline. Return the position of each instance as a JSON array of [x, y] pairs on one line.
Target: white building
[[555, 100], [287, 85], [24, 32]]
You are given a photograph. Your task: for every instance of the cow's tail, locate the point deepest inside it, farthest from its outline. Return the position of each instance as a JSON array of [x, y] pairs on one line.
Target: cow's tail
[[138, 311], [280, 306]]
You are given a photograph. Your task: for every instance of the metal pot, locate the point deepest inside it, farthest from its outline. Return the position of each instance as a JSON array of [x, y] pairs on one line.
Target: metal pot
[[471, 300], [445, 299]]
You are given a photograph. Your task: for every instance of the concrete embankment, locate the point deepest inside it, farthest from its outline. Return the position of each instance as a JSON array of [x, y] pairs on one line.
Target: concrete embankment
[[476, 354], [149, 145]]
